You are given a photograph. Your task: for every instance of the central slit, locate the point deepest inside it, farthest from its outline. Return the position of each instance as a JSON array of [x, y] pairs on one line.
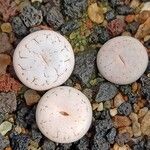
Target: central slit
[[64, 113]]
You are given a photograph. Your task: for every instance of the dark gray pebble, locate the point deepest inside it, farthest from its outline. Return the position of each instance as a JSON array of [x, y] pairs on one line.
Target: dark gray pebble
[[106, 92]]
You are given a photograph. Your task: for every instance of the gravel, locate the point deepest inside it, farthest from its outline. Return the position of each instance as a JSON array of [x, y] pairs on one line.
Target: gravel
[[18, 26], [110, 15], [54, 18], [123, 138], [124, 10], [147, 44], [48, 145], [74, 8], [111, 135], [124, 109], [31, 16], [83, 144], [132, 27], [69, 27], [106, 92], [3, 142], [85, 66], [8, 102]]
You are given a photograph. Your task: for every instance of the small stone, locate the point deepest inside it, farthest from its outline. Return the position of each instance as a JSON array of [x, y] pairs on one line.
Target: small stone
[[8, 102], [111, 135], [110, 15], [95, 13], [146, 6], [136, 108], [5, 60], [134, 87], [54, 18], [18, 26], [31, 97], [118, 100], [134, 117], [126, 130], [107, 104], [4, 142], [95, 106], [5, 127], [136, 128], [125, 109], [85, 66], [5, 44], [113, 112], [134, 3], [31, 16], [74, 8], [121, 121], [115, 27], [145, 124], [143, 16], [6, 27], [129, 18], [126, 33], [142, 112], [100, 107], [2, 117], [124, 10], [18, 129], [124, 147], [143, 30], [106, 92], [48, 145], [123, 138]]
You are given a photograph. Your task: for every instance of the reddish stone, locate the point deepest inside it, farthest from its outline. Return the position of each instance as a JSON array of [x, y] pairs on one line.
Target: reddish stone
[[129, 18], [121, 121], [9, 84], [116, 27]]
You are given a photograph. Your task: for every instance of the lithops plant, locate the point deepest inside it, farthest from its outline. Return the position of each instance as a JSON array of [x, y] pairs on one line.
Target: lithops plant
[[122, 60], [43, 59], [64, 114]]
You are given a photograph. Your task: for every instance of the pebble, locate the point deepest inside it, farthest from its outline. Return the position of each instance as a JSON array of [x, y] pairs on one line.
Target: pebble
[[145, 124], [134, 87], [123, 138], [136, 128], [74, 8], [4, 142], [54, 18], [134, 3], [85, 66], [129, 18], [146, 6], [2, 117], [116, 27], [5, 60], [118, 100], [124, 109], [36, 1], [100, 107], [18, 129], [136, 108], [126, 130], [31, 97], [113, 112], [124, 10], [5, 127], [143, 30], [18, 26], [6, 27], [124, 147], [142, 112], [106, 92], [95, 13], [132, 27], [8, 102], [143, 16], [121, 121], [31, 16], [111, 135], [3, 40], [95, 106], [110, 15], [134, 117], [48, 145], [107, 104]]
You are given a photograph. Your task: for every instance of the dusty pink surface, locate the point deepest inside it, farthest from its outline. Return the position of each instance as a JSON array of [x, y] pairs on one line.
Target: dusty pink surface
[[122, 60]]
